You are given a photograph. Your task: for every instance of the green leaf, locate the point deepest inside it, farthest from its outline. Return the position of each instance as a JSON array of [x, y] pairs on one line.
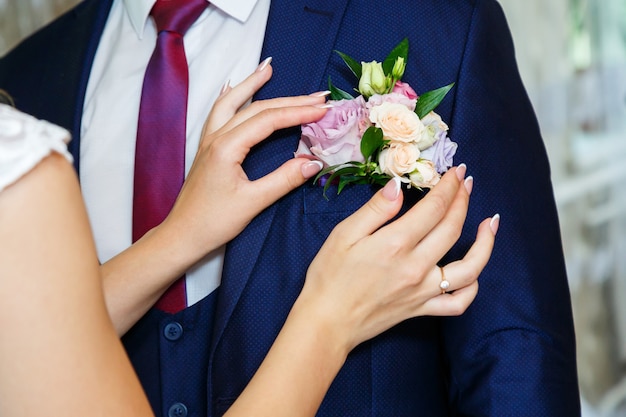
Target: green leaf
[[379, 179], [402, 50], [337, 93], [356, 169], [371, 141], [352, 63], [343, 181], [325, 171], [349, 170], [428, 101]]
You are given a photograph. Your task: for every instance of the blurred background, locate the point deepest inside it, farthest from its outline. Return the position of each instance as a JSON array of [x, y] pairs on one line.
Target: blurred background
[[572, 57]]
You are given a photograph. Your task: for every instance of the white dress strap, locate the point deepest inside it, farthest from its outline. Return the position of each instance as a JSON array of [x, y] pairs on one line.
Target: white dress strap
[[25, 141]]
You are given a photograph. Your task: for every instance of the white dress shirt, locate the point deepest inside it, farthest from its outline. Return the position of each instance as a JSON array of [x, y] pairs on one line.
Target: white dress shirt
[[223, 44]]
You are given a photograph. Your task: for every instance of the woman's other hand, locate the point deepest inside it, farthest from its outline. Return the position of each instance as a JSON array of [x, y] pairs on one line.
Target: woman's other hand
[[218, 200], [369, 276]]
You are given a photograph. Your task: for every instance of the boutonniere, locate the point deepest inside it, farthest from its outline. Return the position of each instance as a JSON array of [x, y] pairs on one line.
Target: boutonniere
[[386, 131]]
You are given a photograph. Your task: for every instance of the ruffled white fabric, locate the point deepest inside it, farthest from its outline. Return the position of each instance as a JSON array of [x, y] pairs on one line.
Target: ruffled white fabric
[[25, 141]]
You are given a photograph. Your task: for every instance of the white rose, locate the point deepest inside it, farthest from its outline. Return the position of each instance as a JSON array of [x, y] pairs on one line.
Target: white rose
[[433, 125], [425, 175], [397, 122], [399, 159]]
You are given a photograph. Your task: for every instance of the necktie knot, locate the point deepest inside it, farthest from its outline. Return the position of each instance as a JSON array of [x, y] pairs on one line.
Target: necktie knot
[[177, 15]]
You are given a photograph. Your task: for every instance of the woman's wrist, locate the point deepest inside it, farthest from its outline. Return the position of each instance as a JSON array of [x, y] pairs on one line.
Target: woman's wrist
[[176, 239], [299, 368], [323, 321]]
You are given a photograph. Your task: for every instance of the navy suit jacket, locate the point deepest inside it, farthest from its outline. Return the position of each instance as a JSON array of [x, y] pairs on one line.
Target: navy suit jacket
[[513, 352]]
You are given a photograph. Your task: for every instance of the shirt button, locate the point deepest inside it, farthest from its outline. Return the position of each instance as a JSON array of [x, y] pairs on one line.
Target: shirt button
[[173, 331], [177, 410]]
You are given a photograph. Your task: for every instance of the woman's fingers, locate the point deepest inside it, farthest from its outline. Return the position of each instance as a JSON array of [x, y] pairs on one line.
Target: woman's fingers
[[381, 208], [292, 174], [414, 224], [438, 240], [232, 98], [453, 304], [257, 107], [446, 200], [238, 141], [229, 111], [462, 275]]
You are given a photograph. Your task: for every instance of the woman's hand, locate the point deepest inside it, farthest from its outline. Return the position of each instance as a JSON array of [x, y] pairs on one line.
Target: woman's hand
[[218, 200], [368, 277]]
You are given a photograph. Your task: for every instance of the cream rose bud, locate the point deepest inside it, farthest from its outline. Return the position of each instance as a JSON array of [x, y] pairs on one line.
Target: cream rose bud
[[398, 159], [433, 126], [373, 80], [397, 122], [425, 175], [398, 68]]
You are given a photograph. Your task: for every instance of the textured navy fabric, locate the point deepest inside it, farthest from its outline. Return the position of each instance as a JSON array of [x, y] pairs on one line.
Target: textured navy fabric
[[169, 354], [512, 353]]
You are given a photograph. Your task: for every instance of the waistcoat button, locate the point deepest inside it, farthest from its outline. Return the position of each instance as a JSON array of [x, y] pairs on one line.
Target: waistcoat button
[[173, 331], [177, 410]]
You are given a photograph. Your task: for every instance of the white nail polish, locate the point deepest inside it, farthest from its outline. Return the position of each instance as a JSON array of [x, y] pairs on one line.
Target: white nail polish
[[321, 93], [264, 64], [494, 224], [225, 87], [391, 191], [311, 168], [469, 184], [460, 171]]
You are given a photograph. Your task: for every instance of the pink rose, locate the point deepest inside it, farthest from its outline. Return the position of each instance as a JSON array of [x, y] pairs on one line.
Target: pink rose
[[336, 138], [405, 90]]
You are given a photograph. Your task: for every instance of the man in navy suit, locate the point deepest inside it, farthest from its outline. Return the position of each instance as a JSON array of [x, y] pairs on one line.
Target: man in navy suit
[[511, 354]]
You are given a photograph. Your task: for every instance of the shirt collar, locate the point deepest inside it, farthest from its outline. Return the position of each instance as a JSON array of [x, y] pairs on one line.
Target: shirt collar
[[139, 10]]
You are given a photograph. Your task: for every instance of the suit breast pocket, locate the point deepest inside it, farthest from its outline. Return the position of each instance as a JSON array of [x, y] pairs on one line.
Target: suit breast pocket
[[321, 214], [352, 198]]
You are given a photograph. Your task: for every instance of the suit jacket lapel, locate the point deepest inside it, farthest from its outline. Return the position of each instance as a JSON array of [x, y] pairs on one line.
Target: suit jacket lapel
[[90, 21], [299, 37], [65, 59], [56, 66]]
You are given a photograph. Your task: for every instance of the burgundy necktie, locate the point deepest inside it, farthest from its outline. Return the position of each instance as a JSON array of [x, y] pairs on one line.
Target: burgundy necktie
[[160, 149]]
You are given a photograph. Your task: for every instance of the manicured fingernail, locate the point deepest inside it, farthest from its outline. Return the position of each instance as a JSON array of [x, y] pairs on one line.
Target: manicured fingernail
[[321, 94], [325, 105], [494, 224], [469, 184], [225, 87], [311, 168], [264, 64], [391, 191], [460, 171]]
